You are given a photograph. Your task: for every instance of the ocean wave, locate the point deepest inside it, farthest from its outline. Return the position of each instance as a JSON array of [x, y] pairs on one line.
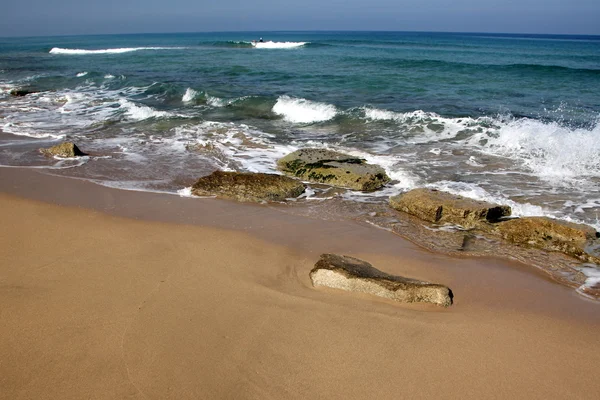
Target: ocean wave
[[58, 50], [233, 44], [189, 95], [426, 127], [553, 152], [303, 111], [232, 146], [29, 131], [139, 112], [550, 150], [6, 88], [278, 45]]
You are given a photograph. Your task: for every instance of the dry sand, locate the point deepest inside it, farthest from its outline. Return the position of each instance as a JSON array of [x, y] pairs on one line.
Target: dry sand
[[94, 305]]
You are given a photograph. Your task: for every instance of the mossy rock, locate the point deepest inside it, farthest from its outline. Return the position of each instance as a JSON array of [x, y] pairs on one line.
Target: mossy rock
[[333, 168], [442, 207], [352, 274], [64, 150], [551, 235], [250, 187]]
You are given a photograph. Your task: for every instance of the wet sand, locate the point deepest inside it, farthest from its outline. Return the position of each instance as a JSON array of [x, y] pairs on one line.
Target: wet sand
[[114, 294]]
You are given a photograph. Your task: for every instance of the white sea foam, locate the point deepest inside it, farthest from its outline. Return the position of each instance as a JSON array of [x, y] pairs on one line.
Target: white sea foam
[[278, 45], [215, 101], [29, 131], [593, 278], [551, 151], [476, 192], [82, 74], [189, 95], [185, 192], [140, 112], [234, 147], [58, 50], [303, 111], [5, 89], [424, 127], [109, 76], [72, 111]]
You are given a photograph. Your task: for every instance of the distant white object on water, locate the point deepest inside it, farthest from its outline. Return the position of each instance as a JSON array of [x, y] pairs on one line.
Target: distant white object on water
[[277, 45]]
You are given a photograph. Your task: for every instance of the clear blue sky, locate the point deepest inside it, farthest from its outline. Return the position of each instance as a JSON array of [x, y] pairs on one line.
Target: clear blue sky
[[61, 17]]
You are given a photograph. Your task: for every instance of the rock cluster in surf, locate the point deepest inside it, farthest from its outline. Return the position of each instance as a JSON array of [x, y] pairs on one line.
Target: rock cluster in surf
[[313, 165], [475, 218], [544, 233]]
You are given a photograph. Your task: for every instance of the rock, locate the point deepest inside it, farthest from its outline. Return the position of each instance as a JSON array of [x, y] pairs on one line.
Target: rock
[[21, 92], [333, 168], [248, 186], [352, 274], [552, 235], [65, 150], [439, 207]]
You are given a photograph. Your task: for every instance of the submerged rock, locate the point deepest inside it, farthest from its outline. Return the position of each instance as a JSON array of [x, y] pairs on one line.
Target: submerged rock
[[21, 92], [439, 207], [65, 150], [352, 274], [333, 168], [552, 235], [248, 186]]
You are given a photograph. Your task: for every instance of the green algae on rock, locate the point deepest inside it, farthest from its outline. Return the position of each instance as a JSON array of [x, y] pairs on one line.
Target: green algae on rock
[[440, 207], [333, 168], [552, 235], [65, 150], [351, 274], [256, 187]]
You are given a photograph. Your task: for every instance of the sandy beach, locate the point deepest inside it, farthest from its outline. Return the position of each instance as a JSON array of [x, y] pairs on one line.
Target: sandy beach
[[113, 294]]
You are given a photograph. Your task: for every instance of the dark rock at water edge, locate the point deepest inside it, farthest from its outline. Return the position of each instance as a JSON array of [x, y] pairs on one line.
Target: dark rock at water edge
[[255, 187], [551, 235], [21, 92], [333, 168], [442, 207], [352, 274], [65, 150]]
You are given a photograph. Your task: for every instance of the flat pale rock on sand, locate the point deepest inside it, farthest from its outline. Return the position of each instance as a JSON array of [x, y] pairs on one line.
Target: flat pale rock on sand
[[354, 275]]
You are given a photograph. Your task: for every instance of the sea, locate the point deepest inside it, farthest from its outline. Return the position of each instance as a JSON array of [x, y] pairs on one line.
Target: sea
[[506, 118]]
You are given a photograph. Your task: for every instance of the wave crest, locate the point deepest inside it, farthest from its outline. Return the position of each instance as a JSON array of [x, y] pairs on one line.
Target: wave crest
[[278, 45], [58, 50], [303, 111]]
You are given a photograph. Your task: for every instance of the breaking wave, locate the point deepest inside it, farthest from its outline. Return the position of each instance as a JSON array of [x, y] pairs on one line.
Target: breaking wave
[[303, 111], [58, 50], [189, 95], [278, 45]]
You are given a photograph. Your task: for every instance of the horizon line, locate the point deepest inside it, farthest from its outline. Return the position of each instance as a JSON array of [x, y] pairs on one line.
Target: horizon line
[[304, 31]]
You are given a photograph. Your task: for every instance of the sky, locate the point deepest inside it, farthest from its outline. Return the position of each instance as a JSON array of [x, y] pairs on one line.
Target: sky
[[75, 17]]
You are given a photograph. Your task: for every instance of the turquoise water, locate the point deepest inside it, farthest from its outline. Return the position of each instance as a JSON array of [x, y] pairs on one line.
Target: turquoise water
[[505, 118]]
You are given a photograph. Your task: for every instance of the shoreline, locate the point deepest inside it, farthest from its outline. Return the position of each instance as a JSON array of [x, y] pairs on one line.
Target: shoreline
[[409, 231], [303, 233], [112, 294]]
